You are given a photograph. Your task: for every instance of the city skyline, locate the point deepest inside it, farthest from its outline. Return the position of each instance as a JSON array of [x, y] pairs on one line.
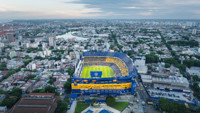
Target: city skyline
[[99, 9]]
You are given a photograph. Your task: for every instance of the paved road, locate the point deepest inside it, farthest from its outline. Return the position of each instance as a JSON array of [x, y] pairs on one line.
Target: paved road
[[141, 91], [73, 106]]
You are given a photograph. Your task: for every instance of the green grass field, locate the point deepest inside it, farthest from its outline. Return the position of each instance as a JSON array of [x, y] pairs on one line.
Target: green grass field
[[107, 71], [81, 106], [120, 105]]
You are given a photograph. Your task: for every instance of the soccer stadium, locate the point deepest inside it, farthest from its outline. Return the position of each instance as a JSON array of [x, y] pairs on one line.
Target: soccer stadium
[[104, 73]]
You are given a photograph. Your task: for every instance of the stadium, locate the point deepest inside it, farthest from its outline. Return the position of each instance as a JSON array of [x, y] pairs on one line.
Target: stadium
[[104, 73]]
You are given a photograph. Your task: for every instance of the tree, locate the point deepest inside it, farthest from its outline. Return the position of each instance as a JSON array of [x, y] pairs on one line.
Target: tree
[[47, 89], [172, 107], [62, 107], [152, 58], [8, 102], [167, 65], [38, 91], [149, 67], [50, 89], [51, 81], [195, 78], [190, 63], [196, 87], [119, 46], [198, 110], [3, 66], [93, 101], [100, 41], [67, 85], [112, 47], [110, 100], [31, 77], [27, 62], [27, 57], [38, 57], [191, 43], [9, 73], [173, 53], [160, 52], [16, 92], [70, 71]]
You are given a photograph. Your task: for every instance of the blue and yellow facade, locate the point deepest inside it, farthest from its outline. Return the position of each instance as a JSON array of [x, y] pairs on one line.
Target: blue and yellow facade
[[105, 86]]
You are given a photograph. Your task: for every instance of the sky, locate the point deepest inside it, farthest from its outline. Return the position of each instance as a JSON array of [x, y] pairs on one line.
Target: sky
[[99, 9]]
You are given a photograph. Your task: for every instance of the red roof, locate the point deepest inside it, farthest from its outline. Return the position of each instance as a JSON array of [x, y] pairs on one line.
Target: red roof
[[4, 72], [31, 104], [3, 33], [51, 94]]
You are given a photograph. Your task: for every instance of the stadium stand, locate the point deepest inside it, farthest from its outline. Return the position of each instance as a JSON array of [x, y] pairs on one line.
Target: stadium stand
[[121, 79], [119, 55], [119, 63]]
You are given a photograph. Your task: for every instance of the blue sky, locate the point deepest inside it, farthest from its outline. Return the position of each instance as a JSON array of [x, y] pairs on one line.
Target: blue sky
[[100, 9]]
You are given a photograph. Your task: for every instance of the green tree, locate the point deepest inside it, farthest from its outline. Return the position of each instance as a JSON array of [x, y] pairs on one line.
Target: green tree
[[160, 52], [93, 101], [190, 63], [31, 77], [47, 89], [67, 85], [167, 65], [119, 46], [8, 102], [195, 78], [16, 92], [172, 107], [70, 71], [3, 66], [152, 58], [62, 107], [112, 47], [51, 81], [110, 100], [50, 89]]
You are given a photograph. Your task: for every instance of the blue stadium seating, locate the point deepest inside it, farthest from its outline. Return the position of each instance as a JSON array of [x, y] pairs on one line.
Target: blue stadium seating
[[119, 55]]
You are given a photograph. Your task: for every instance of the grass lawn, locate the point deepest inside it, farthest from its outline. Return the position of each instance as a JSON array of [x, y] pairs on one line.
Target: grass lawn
[[107, 71], [81, 106], [120, 105]]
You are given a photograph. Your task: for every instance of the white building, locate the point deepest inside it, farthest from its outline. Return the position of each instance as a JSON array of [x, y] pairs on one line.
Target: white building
[[31, 66], [140, 65], [107, 46], [34, 45], [13, 54], [47, 52], [1, 45], [44, 45], [171, 82], [194, 31], [52, 41], [26, 45], [194, 71]]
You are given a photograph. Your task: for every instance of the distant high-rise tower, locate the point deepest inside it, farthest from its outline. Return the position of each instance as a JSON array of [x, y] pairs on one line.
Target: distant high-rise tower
[[10, 37], [194, 31], [52, 41], [44, 46]]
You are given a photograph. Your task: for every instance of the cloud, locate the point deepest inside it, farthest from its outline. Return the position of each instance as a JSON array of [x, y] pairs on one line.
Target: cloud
[[166, 9], [132, 7], [135, 9], [145, 13]]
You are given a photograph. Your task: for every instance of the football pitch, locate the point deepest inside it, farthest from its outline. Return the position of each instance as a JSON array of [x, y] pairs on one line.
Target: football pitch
[[107, 71]]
